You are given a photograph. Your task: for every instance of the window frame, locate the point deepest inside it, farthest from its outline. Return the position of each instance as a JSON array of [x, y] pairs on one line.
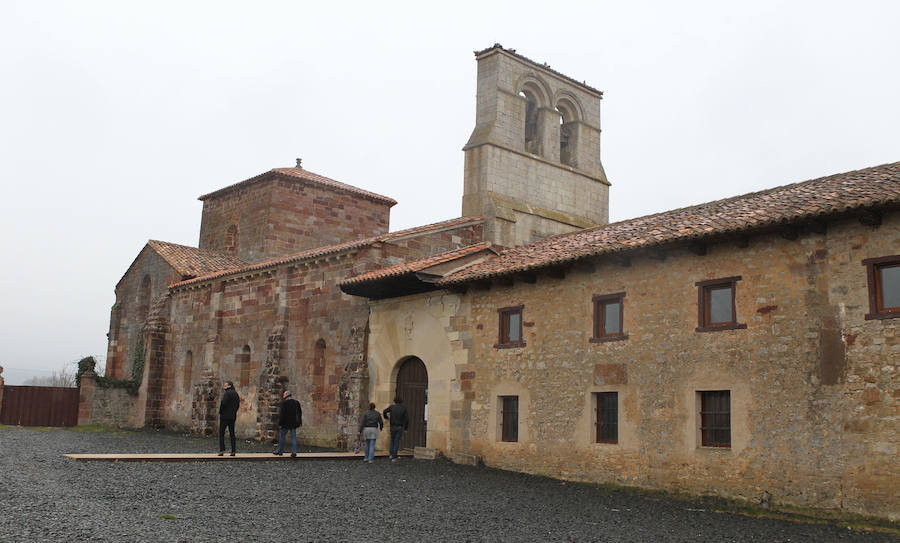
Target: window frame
[[599, 420], [599, 317], [506, 425], [503, 341], [707, 414], [876, 293], [704, 288]]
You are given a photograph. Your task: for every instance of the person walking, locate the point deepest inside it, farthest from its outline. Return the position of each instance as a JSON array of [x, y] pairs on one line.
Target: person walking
[[370, 423], [398, 416], [289, 418], [228, 409]]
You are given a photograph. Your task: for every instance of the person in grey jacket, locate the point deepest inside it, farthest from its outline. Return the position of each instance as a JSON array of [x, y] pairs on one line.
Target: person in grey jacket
[[370, 423]]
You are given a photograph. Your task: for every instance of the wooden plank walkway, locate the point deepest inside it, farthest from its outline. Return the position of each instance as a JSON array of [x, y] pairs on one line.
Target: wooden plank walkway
[[214, 457]]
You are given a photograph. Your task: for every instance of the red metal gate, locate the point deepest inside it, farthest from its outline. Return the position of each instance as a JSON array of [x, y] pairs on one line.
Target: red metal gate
[[39, 406]]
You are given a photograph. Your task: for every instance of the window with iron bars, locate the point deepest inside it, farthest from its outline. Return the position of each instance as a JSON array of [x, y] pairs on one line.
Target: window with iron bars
[[606, 417], [715, 418], [509, 417]]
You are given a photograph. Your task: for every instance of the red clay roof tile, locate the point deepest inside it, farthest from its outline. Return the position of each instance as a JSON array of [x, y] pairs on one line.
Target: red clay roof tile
[[414, 266], [306, 176], [333, 249], [835, 194], [191, 261]]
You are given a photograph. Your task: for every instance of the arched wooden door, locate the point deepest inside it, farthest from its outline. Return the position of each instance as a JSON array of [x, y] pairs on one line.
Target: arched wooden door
[[412, 387]]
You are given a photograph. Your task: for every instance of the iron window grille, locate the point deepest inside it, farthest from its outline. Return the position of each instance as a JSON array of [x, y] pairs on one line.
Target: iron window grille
[[715, 418], [509, 416], [607, 417]]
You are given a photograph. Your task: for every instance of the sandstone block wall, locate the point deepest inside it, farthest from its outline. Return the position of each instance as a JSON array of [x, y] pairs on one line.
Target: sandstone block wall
[[245, 208], [531, 191], [134, 301], [529, 199], [322, 351], [815, 387], [305, 217], [424, 326], [113, 407], [277, 217]]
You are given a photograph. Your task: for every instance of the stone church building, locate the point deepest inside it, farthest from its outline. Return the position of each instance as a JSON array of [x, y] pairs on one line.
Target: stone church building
[[747, 347]]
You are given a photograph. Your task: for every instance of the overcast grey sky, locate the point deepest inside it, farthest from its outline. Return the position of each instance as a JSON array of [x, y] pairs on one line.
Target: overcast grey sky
[[115, 116]]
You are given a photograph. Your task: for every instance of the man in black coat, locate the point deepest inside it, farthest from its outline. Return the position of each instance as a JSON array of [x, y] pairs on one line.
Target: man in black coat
[[399, 418], [289, 418], [228, 409]]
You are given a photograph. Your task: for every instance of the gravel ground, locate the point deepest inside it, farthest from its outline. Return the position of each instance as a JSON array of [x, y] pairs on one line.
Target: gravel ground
[[46, 497]]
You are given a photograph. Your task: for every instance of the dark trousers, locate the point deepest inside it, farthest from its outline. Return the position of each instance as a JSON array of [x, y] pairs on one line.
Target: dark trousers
[[222, 424], [396, 434]]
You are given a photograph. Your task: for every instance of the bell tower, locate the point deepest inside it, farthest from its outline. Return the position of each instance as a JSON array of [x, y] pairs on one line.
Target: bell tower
[[532, 163]]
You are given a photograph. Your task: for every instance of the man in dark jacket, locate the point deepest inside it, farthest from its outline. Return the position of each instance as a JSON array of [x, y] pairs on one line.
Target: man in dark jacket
[[289, 418], [398, 415], [228, 409]]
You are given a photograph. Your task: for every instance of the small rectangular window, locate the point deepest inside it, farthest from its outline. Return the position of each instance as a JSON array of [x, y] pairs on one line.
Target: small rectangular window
[[509, 417], [609, 311], [884, 287], [510, 327], [607, 419], [715, 418], [716, 305]]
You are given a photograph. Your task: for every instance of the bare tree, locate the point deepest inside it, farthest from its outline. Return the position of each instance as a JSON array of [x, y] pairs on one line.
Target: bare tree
[[65, 377]]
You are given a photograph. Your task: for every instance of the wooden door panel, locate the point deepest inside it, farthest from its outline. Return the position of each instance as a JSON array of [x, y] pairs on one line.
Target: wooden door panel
[[412, 386]]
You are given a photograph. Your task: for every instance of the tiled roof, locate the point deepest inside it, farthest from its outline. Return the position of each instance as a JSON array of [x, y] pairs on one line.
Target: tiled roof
[[789, 204], [334, 249], [191, 261], [416, 265], [308, 177], [544, 66]]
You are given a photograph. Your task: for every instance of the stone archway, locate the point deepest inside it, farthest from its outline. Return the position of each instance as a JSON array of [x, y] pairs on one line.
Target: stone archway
[[412, 387]]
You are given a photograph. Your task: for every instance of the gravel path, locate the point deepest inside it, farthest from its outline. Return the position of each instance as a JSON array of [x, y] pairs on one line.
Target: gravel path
[[46, 497]]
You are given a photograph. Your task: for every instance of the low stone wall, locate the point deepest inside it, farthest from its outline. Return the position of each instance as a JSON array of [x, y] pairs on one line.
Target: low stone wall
[[102, 406]]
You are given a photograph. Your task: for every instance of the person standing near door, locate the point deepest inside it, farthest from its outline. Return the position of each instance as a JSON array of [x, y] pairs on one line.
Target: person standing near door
[[398, 416], [228, 409], [370, 423], [290, 418]]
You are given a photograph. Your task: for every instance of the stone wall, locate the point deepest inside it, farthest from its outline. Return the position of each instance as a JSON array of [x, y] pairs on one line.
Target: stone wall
[[246, 208], [305, 216], [105, 406], [134, 301], [531, 191], [431, 328], [301, 332], [280, 216], [814, 386]]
